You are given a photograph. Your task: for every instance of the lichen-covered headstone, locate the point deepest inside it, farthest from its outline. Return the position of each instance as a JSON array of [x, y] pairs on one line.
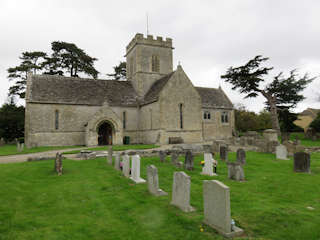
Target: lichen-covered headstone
[[235, 171], [126, 165], [217, 212], [281, 152], [188, 162], [162, 156], [241, 156], [174, 157], [117, 162], [208, 165], [224, 153], [110, 152], [58, 164], [135, 170], [181, 191], [153, 181], [302, 162]]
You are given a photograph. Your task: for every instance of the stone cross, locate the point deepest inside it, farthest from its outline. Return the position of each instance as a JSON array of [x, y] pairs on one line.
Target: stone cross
[[241, 156], [162, 156], [223, 153], [174, 157], [58, 164], [235, 171], [110, 152], [188, 162], [181, 191], [126, 165], [302, 162], [135, 170], [281, 152], [217, 212], [153, 181], [117, 162], [208, 165]]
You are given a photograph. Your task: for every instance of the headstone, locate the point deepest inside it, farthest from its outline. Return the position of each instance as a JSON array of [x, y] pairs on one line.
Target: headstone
[[117, 162], [217, 212], [241, 156], [126, 165], [58, 164], [110, 152], [281, 152], [174, 157], [207, 148], [302, 162], [215, 146], [162, 156], [270, 135], [135, 170], [153, 181], [235, 171], [181, 191], [2, 142], [208, 165], [242, 141], [188, 162], [224, 153]]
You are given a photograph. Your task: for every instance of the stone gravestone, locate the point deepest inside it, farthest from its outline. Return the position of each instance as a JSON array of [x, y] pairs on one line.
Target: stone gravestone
[[235, 171], [174, 157], [241, 156], [215, 146], [20, 146], [117, 162], [153, 181], [58, 164], [126, 165], [135, 170], [188, 162], [181, 191], [208, 165], [217, 212], [162, 156], [2, 142], [110, 152], [224, 153], [281, 152], [302, 162]]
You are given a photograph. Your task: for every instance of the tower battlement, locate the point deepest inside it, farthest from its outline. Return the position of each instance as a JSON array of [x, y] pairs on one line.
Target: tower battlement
[[149, 40]]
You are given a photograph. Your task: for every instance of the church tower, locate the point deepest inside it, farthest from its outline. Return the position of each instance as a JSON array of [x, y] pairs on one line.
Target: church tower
[[148, 60]]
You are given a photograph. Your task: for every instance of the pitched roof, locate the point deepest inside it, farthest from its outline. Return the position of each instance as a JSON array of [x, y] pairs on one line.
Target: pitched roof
[[81, 91], [214, 98], [310, 112]]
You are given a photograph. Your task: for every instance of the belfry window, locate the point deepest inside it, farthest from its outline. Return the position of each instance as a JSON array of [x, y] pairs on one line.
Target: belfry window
[[206, 115], [56, 122], [181, 115], [224, 117], [155, 64]]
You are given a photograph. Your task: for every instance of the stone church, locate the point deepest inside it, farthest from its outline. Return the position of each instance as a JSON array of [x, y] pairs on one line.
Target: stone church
[[156, 104]]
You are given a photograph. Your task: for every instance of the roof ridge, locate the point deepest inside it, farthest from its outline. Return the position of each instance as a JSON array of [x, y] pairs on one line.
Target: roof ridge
[[59, 77]]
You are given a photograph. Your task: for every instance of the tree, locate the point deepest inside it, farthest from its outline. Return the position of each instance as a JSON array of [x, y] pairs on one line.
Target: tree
[[281, 91], [120, 72], [315, 124], [31, 62]]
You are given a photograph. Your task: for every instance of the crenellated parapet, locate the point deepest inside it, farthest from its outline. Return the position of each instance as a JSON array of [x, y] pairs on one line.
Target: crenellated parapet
[[149, 40]]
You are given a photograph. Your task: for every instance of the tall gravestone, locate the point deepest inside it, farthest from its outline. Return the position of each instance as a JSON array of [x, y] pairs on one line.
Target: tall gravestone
[[302, 162], [117, 162], [174, 157], [208, 165], [110, 152], [126, 165], [281, 152], [181, 191], [135, 170], [224, 153], [215, 146], [153, 181], [217, 212], [162, 156], [188, 162], [241, 156], [58, 164], [235, 171]]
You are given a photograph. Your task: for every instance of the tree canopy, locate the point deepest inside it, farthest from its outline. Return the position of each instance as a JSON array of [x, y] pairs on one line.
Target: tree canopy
[[315, 124], [120, 72]]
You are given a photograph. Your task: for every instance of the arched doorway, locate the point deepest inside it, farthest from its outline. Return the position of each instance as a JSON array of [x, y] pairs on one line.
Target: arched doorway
[[105, 132]]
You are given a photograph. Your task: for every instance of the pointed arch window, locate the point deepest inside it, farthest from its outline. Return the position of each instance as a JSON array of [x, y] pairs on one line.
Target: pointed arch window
[[56, 119], [124, 120], [155, 64], [181, 115], [224, 117], [206, 115]]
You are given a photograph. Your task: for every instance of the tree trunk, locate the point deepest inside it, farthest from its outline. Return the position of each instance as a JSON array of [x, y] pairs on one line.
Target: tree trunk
[[273, 111]]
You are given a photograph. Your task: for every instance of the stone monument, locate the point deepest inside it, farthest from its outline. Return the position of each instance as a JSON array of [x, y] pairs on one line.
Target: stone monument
[[117, 162], [241, 156], [208, 165], [188, 162], [235, 171], [281, 152], [224, 153], [162, 156], [153, 181], [135, 170], [58, 164], [302, 162], [110, 152], [126, 165]]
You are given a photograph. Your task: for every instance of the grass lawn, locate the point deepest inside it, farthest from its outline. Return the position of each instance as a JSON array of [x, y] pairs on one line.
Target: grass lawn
[[91, 200], [304, 141], [7, 150]]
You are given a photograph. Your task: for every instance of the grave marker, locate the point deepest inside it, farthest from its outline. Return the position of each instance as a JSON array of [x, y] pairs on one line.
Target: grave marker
[[281, 152], [110, 152], [153, 181], [188, 162], [117, 162], [302, 162], [135, 170], [241, 156], [224, 153], [126, 165], [208, 165]]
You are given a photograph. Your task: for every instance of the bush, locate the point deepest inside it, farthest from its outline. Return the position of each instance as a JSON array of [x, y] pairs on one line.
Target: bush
[[315, 124]]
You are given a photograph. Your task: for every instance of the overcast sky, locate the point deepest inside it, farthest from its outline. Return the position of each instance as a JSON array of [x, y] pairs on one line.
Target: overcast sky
[[208, 36]]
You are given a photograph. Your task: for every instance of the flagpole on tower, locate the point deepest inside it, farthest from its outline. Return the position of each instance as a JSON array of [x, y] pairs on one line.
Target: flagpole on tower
[[147, 24]]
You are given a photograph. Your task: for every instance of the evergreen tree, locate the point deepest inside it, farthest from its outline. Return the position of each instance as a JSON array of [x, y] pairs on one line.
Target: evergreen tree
[[120, 72]]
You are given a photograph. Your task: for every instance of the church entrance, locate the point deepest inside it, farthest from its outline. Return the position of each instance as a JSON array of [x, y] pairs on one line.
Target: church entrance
[[105, 131]]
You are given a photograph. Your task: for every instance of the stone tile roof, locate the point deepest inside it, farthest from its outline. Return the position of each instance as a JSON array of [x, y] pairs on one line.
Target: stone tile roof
[[214, 98], [310, 112], [81, 91]]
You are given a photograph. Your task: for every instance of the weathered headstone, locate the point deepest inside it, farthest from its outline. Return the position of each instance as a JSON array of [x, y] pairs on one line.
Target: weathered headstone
[[217, 212], [126, 165], [174, 157], [162, 156], [188, 162], [281, 152], [208, 165], [241, 156], [215, 146], [270, 135], [181, 191], [153, 181], [58, 164], [2, 142], [117, 162], [20, 147], [135, 170], [235, 171], [224, 153], [110, 152], [207, 148], [302, 162]]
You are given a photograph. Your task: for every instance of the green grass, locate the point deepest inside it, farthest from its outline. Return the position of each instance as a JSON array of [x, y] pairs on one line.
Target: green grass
[[91, 200], [305, 141], [117, 148], [7, 150]]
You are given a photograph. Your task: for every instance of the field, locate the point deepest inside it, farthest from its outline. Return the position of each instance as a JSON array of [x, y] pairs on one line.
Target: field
[[91, 200]]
